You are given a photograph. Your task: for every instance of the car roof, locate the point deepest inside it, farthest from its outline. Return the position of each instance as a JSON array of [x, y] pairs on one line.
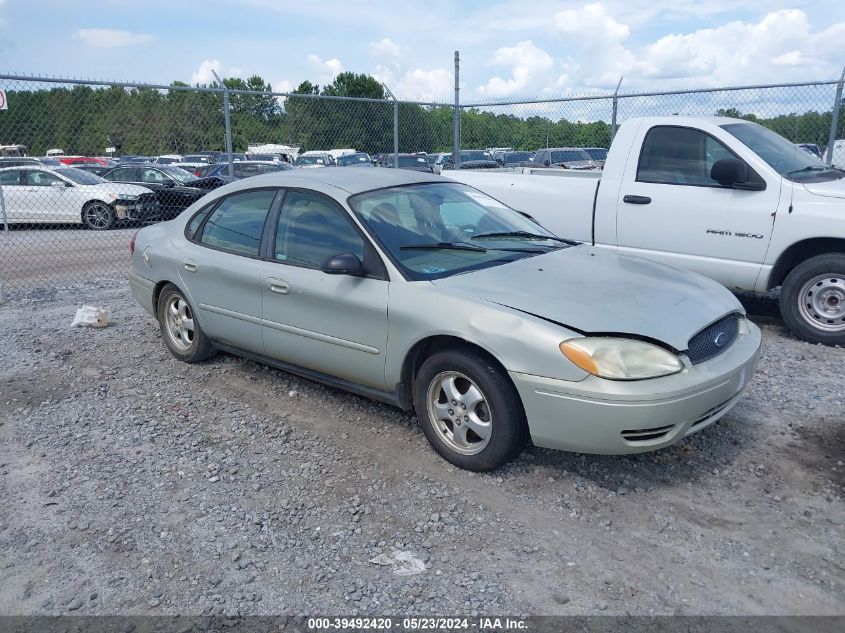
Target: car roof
[[351, 181]]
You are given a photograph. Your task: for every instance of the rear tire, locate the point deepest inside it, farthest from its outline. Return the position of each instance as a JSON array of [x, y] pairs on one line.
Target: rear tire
[[469, 409], [98, 216], [812, 299], [180, 329]]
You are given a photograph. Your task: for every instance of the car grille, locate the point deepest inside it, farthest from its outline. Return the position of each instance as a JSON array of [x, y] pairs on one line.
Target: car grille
[[714, 339]]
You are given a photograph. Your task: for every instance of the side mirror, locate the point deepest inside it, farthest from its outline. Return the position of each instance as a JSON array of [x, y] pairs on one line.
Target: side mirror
[[60, 185], [343, 264], [729, 172]]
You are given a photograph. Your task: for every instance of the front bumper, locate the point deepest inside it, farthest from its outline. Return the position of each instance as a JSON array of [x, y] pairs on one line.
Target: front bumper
[[610, 417], [136, 210]]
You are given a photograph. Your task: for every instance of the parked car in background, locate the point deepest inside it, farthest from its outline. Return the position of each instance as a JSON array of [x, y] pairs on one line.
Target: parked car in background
[[314, 159], [414, 162], [566, 157], [597, 154], [66, 195], [837, 154], [518, 340], [470, 159], [204, 159], [171, 185], [135, 159], [247, 168], [92, 168], [513, 159], [81, 160], [358, 159], [723, 197], [29, 160], [199, 170], [168, 159]]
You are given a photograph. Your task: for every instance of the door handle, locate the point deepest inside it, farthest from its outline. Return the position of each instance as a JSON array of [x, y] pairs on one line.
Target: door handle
[[278, 286], [637, 199], [190, 265]]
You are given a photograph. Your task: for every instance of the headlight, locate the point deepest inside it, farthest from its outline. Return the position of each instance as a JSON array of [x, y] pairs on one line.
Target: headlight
[[620, 358], [120, 196]]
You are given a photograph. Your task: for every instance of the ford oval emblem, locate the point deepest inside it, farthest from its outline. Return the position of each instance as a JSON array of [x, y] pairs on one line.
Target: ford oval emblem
[[720, 339]]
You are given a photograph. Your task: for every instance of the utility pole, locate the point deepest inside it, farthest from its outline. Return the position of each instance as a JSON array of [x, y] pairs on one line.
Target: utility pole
[[456, 126]]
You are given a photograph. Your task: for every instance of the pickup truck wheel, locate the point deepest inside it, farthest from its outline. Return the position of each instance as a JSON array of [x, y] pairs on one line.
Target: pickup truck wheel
[[181, 331], [469, 410], [812, 300], [98, 216]]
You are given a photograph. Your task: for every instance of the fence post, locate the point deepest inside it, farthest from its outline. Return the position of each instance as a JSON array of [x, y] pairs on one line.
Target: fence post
[[456, 125], [228, 123], [834, 121], [613, 125], [395, 126]]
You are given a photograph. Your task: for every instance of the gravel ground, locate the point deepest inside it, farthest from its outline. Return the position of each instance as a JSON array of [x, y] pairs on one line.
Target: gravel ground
[[133, 484]]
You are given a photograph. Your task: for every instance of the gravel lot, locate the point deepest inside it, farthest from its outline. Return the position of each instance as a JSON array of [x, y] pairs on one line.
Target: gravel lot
[[132, 484]]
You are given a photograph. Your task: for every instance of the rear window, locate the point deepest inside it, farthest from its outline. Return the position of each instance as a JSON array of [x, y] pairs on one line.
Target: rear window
[[237, 223]]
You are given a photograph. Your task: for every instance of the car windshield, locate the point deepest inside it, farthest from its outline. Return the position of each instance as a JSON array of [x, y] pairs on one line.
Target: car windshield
[[164, 160], [517, 157], [412, 161], [565, 156], [596, 153], [790, 161], [201, 158], [310, 160], [428, 229], [177, 173], [351, 159], [79, 176]]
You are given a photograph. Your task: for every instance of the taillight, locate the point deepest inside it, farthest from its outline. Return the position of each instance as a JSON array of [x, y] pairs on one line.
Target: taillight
[[132, 243]]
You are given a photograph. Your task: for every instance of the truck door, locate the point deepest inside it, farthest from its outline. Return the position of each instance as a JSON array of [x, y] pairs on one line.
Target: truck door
[[670, 210]]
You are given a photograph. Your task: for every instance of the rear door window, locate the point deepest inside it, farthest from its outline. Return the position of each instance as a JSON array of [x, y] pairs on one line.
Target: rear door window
[[237, 223]]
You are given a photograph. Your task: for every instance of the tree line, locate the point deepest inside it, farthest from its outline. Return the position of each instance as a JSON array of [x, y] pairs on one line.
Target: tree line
[[85, 120]]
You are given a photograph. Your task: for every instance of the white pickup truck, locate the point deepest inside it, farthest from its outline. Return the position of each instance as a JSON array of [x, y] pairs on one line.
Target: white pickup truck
[[723, 197]]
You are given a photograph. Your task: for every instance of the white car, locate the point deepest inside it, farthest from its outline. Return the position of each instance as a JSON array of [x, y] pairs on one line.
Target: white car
[[65, 195]]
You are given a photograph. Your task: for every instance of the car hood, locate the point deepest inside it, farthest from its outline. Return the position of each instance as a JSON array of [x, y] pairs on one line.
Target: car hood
[[595, 291], [829, 189], [119, 188]]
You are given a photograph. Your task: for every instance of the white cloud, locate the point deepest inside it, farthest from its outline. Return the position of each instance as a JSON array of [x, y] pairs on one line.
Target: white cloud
[[529, 66], [385, 49], [780, 47], [324, 71], [111, 38], [426, 85], [204, 75]]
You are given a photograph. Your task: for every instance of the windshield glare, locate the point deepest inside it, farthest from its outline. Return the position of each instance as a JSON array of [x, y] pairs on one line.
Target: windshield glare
[[781, 155], [431, 213], [177, 173], [80, 176]]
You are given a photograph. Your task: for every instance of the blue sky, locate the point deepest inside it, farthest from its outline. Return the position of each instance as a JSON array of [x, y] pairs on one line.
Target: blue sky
[[509, 48]]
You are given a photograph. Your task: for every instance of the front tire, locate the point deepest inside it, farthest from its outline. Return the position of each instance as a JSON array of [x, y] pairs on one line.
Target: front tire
[[98, 216], [180, 329], [469, 410], [812, 300]]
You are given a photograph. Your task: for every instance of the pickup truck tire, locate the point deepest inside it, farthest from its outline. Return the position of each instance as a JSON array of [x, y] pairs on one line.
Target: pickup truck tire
[[469, 409], [812, 300]]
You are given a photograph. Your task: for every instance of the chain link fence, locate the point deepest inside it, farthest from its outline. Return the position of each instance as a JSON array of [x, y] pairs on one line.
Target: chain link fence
[[83, 163]]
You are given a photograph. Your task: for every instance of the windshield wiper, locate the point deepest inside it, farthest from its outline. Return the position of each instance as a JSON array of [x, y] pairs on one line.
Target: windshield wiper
[[439, 246], [807, 168], [525, 235]]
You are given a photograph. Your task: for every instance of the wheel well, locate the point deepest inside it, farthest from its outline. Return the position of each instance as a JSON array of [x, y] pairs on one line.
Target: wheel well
[[800, 252], [157, 293], [423, 349]]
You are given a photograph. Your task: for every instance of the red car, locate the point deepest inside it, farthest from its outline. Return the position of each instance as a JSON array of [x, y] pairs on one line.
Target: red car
[[76, 160]]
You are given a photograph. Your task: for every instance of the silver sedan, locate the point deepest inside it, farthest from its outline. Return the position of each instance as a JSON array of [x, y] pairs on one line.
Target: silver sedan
[[430, 295]]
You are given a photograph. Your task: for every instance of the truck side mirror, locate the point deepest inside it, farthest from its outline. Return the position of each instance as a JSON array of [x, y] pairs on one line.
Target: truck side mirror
[[729, 172]]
